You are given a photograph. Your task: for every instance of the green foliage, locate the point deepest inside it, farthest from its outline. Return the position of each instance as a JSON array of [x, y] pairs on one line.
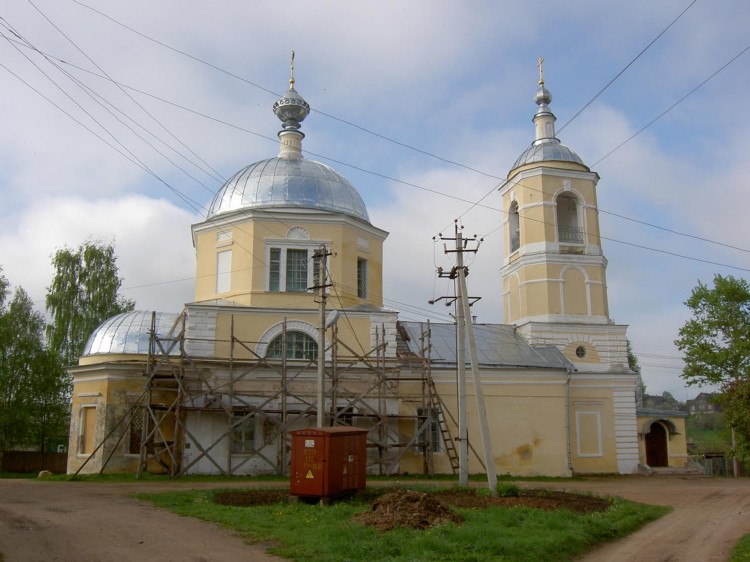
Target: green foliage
[[84, 293], [312, 532], [633, 362], [508, 490], [715, 343], [33, 386], [708, 432], [741, 552]]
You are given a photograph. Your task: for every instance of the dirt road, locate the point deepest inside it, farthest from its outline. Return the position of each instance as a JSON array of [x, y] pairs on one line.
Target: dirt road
[[96, 522], [66, 521], [709, 517]]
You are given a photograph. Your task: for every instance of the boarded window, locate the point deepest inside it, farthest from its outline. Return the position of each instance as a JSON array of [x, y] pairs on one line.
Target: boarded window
[[223, 271], [86, 430], [589, 431]]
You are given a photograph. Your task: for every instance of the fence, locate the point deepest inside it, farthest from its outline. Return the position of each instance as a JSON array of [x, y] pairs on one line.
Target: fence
[[719, 465], [33, 461]]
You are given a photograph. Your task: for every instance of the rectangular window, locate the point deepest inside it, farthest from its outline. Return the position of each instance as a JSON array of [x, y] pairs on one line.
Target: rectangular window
[[274, 268], [223, 271], [293, 269], [316, 269], [243, 433], [296, 270], [427, 418], [362, 278], [86, 430]]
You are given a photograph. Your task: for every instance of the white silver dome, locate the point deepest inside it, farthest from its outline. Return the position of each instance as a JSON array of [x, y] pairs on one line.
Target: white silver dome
[[546, 146], [128, 333], [552, 150], [289, 182]]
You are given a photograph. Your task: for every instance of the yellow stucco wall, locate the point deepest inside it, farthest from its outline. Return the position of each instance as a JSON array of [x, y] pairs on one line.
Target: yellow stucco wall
[[249, 240], [562, 284], [526, 419], [251, 327]]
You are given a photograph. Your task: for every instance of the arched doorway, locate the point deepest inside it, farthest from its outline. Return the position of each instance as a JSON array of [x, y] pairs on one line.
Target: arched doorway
[[656, 445]]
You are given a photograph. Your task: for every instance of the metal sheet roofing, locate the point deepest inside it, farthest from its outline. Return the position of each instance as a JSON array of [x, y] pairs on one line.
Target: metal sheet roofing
[[497, 345], [129, 333], [289, 182]]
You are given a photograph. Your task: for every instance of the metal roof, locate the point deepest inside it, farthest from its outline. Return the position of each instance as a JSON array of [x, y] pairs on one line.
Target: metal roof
[[129, 333], [497, 345], [289, 182], [550, 150]]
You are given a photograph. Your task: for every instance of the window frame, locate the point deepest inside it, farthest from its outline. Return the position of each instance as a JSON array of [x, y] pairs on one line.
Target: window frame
[[277, 273], [362, 274], [297, 340], [432, 435], [243, 423]]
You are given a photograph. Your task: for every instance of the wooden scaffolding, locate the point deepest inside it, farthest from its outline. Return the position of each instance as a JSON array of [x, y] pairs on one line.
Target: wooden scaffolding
[[364, 390]]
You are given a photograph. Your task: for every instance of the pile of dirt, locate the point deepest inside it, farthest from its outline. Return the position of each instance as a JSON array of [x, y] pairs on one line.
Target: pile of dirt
[[397, 507], [550, 500], [250, 498], [408, 508]]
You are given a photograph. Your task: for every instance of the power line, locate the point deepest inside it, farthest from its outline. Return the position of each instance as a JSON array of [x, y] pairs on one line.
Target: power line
[[463, 200], [671, 107], [473, 204], [608, 84]]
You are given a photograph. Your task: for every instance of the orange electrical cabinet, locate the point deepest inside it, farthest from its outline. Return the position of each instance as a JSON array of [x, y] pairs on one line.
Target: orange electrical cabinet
[[328, 461]]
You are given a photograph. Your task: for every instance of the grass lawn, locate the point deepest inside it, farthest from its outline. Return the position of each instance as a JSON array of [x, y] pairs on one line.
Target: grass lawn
[[741, 552], [314, 532]]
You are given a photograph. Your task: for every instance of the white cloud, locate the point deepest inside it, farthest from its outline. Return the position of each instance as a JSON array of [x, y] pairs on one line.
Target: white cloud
[[151, 238]]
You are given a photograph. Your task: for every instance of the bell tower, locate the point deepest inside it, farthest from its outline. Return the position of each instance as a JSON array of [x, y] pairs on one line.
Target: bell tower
[[554, 270]]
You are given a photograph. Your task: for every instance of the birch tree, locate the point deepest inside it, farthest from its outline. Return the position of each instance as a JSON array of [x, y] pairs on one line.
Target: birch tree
[[84, 293]]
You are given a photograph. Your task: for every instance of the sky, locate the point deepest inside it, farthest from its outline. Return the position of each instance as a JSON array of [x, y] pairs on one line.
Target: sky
[[120, 120]]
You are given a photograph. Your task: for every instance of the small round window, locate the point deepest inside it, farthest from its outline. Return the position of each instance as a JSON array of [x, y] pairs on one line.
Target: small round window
[[580, 352]]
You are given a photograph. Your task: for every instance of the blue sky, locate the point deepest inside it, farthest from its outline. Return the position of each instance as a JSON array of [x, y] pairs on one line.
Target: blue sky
[[450, 79]]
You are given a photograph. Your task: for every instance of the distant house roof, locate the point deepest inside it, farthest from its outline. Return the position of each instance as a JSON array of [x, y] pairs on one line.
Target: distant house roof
[[498, 345]]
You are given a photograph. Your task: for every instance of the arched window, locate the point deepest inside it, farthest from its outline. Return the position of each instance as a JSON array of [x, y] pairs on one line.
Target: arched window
[[569, 230], [299, 345], [515, 233]]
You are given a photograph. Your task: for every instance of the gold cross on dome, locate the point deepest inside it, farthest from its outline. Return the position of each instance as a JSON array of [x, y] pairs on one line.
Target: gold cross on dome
[[541, 77], [291, 71]]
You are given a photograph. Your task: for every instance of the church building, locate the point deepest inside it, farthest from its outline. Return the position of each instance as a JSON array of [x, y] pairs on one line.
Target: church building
[[288, 331]]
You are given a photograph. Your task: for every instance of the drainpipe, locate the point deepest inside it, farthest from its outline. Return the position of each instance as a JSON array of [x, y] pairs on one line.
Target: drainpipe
[[567, 420]]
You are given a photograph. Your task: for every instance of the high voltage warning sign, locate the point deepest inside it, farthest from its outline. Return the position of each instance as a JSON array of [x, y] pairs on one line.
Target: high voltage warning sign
[[309, 474]]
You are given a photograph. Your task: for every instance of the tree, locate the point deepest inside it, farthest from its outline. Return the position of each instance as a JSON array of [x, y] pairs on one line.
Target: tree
[[715, 344], [84, 293], [33, 387], [632, 359]]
